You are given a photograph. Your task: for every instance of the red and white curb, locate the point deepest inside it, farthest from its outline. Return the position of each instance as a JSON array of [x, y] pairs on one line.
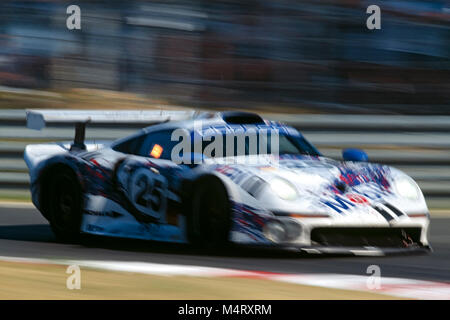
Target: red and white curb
[[398, 287]]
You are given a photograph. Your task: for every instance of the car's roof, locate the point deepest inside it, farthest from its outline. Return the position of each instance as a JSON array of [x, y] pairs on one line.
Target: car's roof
[[213, 124], [219, 125]]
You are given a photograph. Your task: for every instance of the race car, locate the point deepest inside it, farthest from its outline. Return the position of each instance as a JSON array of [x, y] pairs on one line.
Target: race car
[[214, 179]]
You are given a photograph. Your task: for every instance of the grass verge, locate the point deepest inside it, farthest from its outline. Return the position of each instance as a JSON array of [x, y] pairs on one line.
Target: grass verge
[[40, 282], [20, 196]]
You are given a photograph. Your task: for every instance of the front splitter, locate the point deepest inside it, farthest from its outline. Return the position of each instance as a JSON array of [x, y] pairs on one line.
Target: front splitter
[[344, 251]]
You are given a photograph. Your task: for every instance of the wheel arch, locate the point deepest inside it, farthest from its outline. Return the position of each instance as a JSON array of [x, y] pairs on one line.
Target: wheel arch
[[193, 236], [190, 185], [44, 184]]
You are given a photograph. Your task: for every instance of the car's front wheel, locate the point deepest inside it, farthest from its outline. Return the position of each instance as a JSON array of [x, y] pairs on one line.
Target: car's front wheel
[[65, 205], [210, 218]]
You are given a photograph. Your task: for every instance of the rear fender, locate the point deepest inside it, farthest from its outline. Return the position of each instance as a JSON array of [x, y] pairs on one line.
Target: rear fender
[[42, 173], [37, 155]]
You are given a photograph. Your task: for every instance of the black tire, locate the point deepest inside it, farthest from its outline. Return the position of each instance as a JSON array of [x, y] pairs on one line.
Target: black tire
[[209, 222], [65, 205]]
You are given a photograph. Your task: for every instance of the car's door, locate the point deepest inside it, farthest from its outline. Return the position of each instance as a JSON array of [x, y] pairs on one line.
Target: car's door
[[145, 176]]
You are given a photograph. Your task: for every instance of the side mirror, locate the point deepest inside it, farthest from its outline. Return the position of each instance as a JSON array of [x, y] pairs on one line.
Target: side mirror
[[354, 155]]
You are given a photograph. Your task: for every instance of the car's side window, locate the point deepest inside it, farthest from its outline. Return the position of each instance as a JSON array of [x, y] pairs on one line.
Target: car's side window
[[132, 145], [158, 145]]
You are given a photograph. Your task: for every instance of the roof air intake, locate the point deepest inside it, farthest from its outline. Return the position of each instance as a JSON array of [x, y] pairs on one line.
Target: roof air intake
[[237, 117]]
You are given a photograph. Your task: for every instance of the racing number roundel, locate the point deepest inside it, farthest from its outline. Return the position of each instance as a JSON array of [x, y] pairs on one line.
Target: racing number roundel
[[147, 191]]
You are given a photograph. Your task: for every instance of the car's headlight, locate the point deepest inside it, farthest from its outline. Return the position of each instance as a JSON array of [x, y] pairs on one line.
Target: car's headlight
[[283, 189], [407, 188]]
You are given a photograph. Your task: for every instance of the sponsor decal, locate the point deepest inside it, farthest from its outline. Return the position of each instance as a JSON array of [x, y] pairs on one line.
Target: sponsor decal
[[356, 176], [356, 198], [248, 221], [338, 203]]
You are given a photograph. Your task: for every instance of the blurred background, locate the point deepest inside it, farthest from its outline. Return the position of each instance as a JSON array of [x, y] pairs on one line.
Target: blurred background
[[310, 63], [285, 55]]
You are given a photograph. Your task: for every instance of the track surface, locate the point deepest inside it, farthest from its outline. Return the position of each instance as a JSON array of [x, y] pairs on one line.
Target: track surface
[[25, 233]]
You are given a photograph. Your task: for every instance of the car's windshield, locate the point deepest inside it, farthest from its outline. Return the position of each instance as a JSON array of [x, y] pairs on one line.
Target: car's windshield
[[159, 144], [242, 144]]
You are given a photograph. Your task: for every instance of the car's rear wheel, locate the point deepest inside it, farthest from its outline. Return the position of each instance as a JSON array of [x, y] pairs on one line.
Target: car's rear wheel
[[210, 218], [65, 205]]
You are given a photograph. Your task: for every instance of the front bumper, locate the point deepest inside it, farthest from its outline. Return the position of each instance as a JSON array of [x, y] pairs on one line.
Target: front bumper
[[327, 232], [328, 236]]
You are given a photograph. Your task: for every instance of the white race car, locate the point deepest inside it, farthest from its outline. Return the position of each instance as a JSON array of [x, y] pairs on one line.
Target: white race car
[[276, 190]]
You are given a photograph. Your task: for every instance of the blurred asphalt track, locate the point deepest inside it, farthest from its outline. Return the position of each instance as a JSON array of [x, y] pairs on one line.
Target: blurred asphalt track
[[25, 233]]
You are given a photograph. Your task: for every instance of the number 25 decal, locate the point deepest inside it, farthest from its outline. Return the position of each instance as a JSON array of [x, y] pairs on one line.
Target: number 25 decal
[[147, 192]]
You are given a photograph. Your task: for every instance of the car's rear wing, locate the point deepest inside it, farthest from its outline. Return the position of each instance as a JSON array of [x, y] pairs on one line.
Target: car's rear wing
[[38, 119]]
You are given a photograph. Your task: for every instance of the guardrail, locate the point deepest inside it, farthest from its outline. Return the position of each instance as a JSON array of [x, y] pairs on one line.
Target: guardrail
[[418, 145]]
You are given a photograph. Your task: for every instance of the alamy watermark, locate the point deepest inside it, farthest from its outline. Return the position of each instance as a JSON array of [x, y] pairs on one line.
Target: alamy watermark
[[374, 20], [74, 280], [237, 145], [73, 22], [374, 280]]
